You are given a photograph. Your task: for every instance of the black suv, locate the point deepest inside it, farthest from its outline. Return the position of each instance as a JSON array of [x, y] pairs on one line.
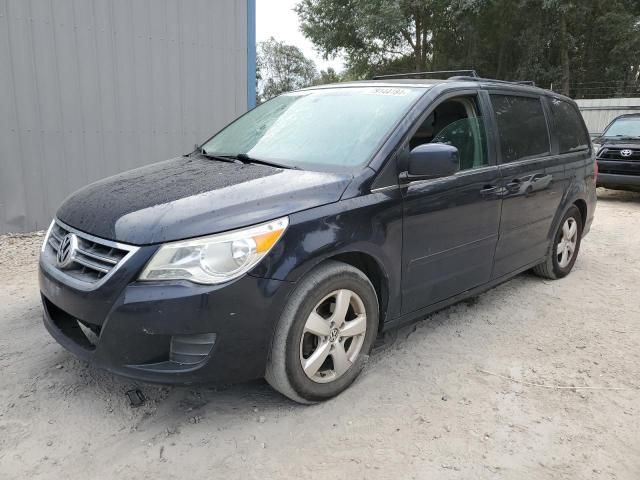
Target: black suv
[[291, 238], [618, 153]]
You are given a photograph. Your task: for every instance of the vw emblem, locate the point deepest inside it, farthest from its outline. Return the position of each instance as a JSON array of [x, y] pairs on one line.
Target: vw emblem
[[626, 152], [67, 251]]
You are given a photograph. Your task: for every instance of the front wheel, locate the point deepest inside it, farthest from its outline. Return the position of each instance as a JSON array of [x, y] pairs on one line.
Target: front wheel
[[325, 334], [565, 246]]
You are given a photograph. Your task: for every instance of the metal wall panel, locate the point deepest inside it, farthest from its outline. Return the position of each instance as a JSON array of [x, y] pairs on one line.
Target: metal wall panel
[[90, 88], [598, 113]]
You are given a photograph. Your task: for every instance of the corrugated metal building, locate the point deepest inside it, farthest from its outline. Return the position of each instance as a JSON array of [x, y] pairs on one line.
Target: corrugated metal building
[[89, 88], [599, 112]]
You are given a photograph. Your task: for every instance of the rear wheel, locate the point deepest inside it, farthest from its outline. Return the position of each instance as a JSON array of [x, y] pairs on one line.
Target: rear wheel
[[564, 248], [325, 334]]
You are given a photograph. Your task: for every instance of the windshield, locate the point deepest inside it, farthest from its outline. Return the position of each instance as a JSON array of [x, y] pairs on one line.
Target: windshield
[[624, 127], [329, 129]]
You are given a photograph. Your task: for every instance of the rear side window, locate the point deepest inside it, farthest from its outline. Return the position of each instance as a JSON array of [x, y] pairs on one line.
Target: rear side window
[[522, 127], [568, 127]]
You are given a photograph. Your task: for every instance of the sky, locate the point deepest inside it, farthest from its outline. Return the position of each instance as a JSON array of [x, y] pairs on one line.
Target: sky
[[276, 18]]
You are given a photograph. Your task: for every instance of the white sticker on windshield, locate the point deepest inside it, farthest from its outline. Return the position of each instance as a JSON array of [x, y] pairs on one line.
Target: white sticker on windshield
[[395, 92]]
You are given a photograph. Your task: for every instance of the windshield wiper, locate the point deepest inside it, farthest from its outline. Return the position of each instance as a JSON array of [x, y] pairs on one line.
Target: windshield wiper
[[244, 158], [222, 158]]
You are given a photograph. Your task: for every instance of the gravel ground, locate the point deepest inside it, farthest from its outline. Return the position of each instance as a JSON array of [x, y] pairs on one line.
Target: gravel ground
[[467, 393]]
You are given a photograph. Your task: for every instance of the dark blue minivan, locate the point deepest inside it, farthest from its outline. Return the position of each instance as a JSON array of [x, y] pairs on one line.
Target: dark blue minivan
[[283, 245]]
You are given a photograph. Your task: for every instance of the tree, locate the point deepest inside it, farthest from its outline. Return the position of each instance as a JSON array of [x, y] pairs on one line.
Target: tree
[[328, 76], [368, 31], [282, 68], [582, 48]]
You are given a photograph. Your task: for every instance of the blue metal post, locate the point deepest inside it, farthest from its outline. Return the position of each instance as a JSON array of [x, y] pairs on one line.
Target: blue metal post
[[251, 54]]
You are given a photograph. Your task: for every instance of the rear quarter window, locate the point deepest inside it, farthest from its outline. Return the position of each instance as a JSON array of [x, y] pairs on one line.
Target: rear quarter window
[[568, 127], [522, 127]]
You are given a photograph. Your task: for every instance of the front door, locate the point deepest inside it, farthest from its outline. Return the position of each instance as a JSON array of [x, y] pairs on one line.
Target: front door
[[451, 224]]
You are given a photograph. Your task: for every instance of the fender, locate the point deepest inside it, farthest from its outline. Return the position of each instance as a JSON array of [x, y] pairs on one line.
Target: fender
[[581, 187], [369, 224]]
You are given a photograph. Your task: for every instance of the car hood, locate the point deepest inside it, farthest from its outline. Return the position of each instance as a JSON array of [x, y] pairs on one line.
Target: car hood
[[626, 142], [192, 196]]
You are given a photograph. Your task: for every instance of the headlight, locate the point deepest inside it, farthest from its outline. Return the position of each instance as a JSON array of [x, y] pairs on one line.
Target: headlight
[[596, 147], [215, 258]]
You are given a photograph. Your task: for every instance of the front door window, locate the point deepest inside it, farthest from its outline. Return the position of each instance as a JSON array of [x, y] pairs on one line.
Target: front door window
[[456, 122]]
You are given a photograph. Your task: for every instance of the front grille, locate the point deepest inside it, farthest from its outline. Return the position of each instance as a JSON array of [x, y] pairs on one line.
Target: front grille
[[617, 171], [93, 259], [614, 153]]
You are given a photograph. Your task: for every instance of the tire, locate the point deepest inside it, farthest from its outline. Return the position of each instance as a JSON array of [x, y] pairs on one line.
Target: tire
[[556, 265], [300, 339]]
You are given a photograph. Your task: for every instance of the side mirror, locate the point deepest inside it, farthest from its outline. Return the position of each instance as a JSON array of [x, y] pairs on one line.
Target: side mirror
[[432, 160]]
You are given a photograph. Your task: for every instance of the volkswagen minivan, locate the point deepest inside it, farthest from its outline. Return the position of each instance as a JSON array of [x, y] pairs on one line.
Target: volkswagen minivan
[[284, 244]]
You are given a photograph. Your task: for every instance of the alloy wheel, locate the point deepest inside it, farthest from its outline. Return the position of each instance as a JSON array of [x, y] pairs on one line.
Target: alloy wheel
[[567, 245], [333, 336]]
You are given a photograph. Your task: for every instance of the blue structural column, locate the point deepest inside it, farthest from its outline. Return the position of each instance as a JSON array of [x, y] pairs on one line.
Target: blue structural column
[[251, 54]]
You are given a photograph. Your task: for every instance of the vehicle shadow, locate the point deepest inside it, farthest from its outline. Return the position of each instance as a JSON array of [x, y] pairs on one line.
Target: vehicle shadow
[[176, 407]]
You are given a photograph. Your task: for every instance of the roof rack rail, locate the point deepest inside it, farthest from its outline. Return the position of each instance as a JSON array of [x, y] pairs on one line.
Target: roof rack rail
[[470, 73], [480, 79]]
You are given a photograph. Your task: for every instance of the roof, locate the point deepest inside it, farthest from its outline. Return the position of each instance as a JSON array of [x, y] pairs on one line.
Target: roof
[[429, 83], [627, 115], [396, 82], [454, 82]]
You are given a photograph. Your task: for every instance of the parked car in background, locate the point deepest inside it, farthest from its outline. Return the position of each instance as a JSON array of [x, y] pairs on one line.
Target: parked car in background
[[618, 153], [290, 239]]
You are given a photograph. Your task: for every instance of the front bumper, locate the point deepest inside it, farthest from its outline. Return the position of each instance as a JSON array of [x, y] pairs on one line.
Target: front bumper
[[620, 174], [166, 332], [617, 180]]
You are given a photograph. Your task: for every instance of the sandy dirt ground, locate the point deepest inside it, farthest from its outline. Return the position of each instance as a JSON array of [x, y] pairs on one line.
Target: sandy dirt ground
[[425, 406]]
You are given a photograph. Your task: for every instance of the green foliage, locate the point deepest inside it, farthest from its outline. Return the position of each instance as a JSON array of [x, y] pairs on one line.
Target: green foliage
[[581, 47], [328, 76], [282, 68]]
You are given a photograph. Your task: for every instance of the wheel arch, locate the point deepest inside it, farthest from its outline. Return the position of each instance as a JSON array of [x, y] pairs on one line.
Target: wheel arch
[[572, 197], [582, 207], [368, 265]]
